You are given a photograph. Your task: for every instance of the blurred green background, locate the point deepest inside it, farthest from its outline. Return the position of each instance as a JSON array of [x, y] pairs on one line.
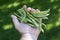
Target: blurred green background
[[7, 30]]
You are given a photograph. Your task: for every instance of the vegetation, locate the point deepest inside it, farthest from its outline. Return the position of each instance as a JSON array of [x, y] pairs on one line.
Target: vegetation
[[7, 7]]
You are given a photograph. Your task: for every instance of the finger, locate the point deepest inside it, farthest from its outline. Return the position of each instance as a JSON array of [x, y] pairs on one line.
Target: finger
[[29, 9], [33, 10], [37, 10], [15, 20], [24, 6]]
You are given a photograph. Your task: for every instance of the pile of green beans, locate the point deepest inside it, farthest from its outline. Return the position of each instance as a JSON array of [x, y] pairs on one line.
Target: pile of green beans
[[33, 19]]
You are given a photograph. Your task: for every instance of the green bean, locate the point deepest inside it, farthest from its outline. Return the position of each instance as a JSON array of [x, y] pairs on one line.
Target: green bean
[[23, 14], [33, 21], [43, 24], [38, 15], [20, 12], [29, 20], [31, 25], [32, 16], [17, 15]]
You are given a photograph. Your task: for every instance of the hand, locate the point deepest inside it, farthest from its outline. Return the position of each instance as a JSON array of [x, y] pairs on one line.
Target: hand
[[24, 28]]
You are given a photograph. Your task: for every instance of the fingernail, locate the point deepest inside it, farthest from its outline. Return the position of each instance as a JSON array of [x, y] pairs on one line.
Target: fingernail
[[13, 16], [37, 10], [24, 6], [33, 10], [29, 9]]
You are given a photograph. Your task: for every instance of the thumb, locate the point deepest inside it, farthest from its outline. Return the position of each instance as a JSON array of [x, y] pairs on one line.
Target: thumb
[[15, 20]]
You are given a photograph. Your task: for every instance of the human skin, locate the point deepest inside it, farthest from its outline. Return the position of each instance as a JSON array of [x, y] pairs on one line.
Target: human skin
[[26, 31]]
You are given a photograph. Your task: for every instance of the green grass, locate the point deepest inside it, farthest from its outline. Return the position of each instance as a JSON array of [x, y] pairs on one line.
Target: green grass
[[7, 7]]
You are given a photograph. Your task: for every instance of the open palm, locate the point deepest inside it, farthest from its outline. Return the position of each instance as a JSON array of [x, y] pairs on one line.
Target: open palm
[[24, 28]]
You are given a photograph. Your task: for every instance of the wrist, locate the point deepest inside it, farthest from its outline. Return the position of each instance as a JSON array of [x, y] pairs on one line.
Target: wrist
[[28, 36]]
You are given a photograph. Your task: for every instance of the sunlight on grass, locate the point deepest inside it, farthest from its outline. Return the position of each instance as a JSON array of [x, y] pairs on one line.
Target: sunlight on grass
[[58, 22], [27, 1], [31, 0], [13, 4], [16, 4], [57, 37], [8, 26], [59, 10], [56, 6], [52, 0], [10, 5], [2, 7], [49, 26]]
